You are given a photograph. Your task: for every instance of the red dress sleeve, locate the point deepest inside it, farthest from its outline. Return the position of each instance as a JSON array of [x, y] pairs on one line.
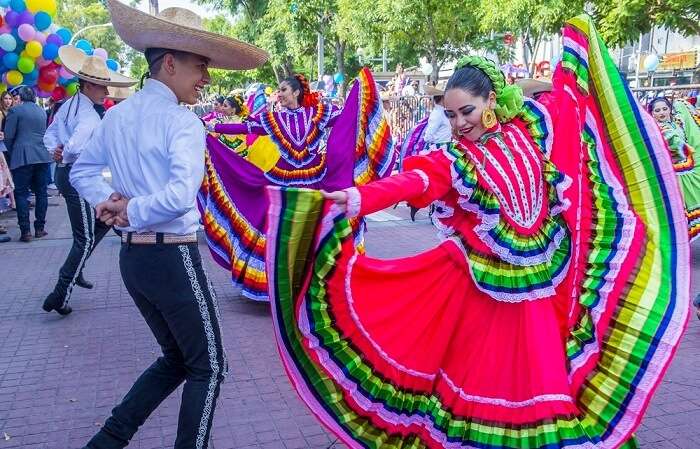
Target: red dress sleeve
[[426, 179]]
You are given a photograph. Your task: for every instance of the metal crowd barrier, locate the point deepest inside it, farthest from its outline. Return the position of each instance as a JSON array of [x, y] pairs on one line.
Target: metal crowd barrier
[[646, 94], [405, 112]]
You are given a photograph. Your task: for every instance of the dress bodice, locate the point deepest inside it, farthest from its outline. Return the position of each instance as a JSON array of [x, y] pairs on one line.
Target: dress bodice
[[297, 132]]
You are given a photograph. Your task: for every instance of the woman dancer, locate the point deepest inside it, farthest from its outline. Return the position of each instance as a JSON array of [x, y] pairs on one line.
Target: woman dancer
[[215, 113], [680, 135], [292, 146], [551, 310]]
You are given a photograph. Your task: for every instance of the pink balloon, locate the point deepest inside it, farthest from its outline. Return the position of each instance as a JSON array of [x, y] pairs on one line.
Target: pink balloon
[[5, 29], [63, 73], [41, 62], [100, 53], [41, 37], [26, 32]]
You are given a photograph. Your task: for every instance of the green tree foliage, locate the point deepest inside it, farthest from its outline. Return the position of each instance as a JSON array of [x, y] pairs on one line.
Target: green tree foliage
[[622, 22], [530, 20]]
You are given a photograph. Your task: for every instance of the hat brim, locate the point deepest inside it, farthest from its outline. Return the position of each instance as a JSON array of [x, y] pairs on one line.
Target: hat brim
[[140, 31], [531, 86], [73, 58], [118, 94], [433, 91]]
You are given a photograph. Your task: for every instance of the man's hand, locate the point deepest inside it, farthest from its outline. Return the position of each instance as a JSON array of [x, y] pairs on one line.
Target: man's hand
[[339, 197], [113, 211], [58, 154]]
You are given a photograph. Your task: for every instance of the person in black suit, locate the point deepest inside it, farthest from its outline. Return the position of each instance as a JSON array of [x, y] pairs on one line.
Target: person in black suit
[[29, 161]]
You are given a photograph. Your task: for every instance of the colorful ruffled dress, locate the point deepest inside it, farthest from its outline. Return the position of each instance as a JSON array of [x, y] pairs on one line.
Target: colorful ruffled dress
[[286, 148], [547, 316], [683, 137]]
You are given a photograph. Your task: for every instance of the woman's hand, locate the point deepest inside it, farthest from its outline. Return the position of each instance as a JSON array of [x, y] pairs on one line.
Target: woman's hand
[[339, 197]]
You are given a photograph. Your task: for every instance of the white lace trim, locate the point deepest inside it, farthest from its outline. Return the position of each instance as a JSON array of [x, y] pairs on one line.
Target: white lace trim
[[501, 402], [423, 177], [530, 295], [211, 346], [354, 202]]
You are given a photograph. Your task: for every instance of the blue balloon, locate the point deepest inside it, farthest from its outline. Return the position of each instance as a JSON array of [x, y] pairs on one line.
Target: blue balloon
[[18, 5], [42, 20], [85, 46], [65, 34], [50, 52], [338, 78], [10, 60], [8, 42], [4, 3], [112, 64], [31, 77]]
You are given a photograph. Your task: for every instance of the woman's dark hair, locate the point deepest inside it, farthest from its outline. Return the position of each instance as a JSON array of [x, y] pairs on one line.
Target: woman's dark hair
[[657, 99], [26, 94], [298, 82], [235, 105], [472, 80], [220, 99]]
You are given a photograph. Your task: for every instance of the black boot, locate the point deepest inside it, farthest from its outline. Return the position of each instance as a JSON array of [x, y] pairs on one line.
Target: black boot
[[53, 302], [82, 282]]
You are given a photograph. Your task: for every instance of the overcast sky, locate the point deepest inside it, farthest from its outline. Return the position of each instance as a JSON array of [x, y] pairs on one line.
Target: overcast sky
[[162, 4]]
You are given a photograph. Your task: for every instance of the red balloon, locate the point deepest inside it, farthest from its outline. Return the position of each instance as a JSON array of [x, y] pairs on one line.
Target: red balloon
[[48, 87], [58, 93], [48, 75], [2, 21]]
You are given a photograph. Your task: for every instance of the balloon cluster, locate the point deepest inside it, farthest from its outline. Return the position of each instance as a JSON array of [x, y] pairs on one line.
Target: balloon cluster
[[29, 44]]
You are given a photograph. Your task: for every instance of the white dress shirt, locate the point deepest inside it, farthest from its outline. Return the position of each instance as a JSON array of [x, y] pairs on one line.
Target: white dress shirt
[[154, 149], [72, 127], [438, 129]]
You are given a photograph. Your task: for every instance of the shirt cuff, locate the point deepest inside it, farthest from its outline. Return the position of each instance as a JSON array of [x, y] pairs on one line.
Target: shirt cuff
[[423, 177], [132, 214], [354, 202]]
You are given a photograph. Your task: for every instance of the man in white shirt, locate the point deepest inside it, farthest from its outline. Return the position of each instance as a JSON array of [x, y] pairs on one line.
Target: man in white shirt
[[154, 148], [438, 129], [66, 137]]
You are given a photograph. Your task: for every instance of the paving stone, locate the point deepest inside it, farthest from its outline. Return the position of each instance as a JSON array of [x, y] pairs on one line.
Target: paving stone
[[60, 377]]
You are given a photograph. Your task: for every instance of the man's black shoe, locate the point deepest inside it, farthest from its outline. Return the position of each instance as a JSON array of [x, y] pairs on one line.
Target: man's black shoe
[[53, 303], [82, 282]]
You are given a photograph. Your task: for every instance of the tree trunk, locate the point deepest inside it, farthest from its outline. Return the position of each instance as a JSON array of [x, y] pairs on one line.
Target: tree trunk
[[288, 67], [340, 64], [277, 71], [434, 76]]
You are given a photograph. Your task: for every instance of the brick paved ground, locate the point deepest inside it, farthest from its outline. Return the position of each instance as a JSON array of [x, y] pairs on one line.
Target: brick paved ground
[[59, 377]]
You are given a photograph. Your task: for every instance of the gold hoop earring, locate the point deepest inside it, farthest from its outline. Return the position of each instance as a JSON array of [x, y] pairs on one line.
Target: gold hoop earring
[[488, 118]]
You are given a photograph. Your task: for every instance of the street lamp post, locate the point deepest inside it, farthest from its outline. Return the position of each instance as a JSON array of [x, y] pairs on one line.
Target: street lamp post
[[72, 39]]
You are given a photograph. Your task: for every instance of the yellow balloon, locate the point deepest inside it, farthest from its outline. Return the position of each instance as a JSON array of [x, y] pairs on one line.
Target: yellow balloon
[[35, 6], [33, 49], [14, 77], [3, 87], [24, 54]]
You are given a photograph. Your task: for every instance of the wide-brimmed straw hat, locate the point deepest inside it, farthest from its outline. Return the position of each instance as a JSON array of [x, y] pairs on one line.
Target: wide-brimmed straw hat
[[532, 86], [119, 93], [435, 91], [181, 29], [91, 68]]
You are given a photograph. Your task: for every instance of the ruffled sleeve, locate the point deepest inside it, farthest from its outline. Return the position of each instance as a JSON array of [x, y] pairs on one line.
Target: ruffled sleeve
[[425, 179]]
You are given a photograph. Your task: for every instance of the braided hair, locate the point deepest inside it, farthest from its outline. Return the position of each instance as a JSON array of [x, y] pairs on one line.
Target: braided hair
[[238, 105], [480, 76]]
